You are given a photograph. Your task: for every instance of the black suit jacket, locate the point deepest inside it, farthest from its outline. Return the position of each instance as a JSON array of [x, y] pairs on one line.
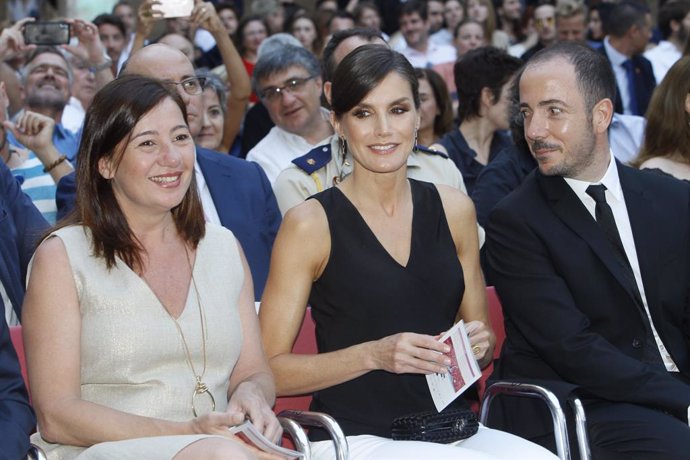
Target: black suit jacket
[[570, 314], [645, 82]]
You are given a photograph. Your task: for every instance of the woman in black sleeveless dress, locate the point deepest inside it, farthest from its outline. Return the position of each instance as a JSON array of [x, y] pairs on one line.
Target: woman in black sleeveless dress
[[387, 263]]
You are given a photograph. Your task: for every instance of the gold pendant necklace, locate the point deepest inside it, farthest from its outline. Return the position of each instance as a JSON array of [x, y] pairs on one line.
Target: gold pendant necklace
[[200, 388]]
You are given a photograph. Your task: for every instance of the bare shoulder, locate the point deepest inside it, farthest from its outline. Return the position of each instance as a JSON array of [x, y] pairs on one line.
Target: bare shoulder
[[51, 250], [307, 217], [304, 236]]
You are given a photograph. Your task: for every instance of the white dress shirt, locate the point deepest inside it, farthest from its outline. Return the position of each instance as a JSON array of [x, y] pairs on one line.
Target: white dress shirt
[[617, 59], [616, 200], [210, 212], [435, 54], [662, 57]]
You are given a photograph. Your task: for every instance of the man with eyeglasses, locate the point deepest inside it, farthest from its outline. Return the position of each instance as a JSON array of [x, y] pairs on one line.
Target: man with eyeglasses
[[545, 23], [42, 148], [327, 164], [288, 82]]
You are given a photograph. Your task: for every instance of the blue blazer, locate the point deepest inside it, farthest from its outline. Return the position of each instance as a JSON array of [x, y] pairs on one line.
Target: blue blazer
[[246, 205], [244, 201], [645, 82], [20, 226]]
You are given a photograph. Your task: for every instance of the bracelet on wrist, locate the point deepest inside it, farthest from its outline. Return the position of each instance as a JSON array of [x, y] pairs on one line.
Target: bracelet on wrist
[[55, 164], [102, 66]]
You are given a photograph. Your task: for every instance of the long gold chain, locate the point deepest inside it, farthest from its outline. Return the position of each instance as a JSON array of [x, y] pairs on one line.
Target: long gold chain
[[200, 387]]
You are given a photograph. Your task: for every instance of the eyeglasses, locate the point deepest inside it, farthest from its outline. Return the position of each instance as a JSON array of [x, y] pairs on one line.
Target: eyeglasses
[[547, 21], [192, 85], [274, 93], [43, 69]]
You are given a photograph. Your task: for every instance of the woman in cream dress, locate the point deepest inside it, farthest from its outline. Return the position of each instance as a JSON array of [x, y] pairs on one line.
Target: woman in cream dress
[[140, 330]]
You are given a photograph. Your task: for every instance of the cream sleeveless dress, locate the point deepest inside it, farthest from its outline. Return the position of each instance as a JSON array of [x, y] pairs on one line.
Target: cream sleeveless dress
[[132, 356]]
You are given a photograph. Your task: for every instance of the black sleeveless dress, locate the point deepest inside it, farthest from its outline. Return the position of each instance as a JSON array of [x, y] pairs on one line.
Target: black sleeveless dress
[[364, 294]]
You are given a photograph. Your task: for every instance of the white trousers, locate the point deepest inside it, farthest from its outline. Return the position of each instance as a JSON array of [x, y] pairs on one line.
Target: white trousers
[[487, 444]]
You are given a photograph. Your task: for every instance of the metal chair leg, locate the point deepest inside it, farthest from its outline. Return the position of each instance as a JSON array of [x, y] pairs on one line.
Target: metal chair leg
[[560, 428]]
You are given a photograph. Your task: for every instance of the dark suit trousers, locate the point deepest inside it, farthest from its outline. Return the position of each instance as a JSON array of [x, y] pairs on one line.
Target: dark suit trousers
[[622, 431]]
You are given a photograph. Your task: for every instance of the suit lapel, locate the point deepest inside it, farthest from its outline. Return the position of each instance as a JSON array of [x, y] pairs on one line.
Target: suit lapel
[[568, 208], [644, 229]]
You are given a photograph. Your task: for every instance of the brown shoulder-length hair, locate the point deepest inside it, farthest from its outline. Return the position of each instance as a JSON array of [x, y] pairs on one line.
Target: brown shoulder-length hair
[[443, 122], [667, 131], [114, 112]]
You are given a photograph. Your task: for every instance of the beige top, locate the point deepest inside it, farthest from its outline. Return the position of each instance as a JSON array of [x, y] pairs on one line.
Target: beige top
[[294, 185], [132, 356]]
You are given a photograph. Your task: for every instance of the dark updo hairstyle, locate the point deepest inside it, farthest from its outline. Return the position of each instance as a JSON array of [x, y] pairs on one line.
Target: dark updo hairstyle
[[115, 111], [362, 70]]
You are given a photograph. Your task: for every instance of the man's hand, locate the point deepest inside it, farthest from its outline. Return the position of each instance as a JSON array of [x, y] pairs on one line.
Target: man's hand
[[12, 40], [33, 130], [90, 47]]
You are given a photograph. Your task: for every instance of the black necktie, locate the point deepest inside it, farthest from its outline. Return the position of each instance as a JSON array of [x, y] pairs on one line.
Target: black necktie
[[605, 219]]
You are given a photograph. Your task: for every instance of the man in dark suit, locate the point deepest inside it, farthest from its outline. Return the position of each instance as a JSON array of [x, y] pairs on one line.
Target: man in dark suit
[[234, 193], [20, 226], [629, 28], [591, 260]]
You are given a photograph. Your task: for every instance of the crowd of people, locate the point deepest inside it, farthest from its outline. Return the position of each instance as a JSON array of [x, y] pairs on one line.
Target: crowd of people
[[177, 191]]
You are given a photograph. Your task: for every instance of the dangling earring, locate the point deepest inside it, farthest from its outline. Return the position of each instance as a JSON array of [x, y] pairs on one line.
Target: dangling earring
[[343, 146], [414, 145]]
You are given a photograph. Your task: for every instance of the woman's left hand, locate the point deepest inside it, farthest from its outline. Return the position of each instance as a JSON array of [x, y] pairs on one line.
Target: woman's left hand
[[204, 15], [248, 401], [480, 340]]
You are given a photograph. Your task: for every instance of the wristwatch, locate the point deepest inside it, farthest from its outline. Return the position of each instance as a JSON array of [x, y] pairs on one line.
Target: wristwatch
[[102, 66]]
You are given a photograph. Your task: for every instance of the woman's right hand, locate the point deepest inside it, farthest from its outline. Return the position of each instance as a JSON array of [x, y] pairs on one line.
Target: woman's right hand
[[410, 353], [213, 423], [219, 423]]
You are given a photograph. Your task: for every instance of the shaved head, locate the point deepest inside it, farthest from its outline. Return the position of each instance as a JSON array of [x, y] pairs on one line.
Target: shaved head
[[168, 64]]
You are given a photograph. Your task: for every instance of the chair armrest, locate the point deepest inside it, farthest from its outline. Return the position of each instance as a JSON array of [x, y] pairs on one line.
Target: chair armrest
[[325, 421], [531, 391], [298, 436], [580, 427], [36, 453]]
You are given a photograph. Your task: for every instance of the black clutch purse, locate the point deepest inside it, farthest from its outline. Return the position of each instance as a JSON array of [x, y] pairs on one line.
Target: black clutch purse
[[441, 427]]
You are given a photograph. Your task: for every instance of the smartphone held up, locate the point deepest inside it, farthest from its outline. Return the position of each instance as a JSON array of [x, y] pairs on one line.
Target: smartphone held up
[[46, 33], [176, 8]]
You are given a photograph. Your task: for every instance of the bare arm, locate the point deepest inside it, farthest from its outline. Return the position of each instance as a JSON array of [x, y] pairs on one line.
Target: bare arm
[[294, 266], [205, 15], [473, 310], [147, 16], [91, 49]]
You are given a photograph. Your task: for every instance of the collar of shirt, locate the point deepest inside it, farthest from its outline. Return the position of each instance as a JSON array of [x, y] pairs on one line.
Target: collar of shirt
[[610, 180], [615, 57]]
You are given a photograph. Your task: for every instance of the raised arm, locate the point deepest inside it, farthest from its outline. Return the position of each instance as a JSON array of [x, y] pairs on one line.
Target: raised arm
[[462, 222], [91, 50], [147, 16], [204, 14], [294, 266], [35, 131], [52, 334]]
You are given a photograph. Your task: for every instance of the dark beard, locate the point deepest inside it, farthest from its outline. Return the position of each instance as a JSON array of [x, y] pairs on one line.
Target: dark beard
[[45, 104]]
